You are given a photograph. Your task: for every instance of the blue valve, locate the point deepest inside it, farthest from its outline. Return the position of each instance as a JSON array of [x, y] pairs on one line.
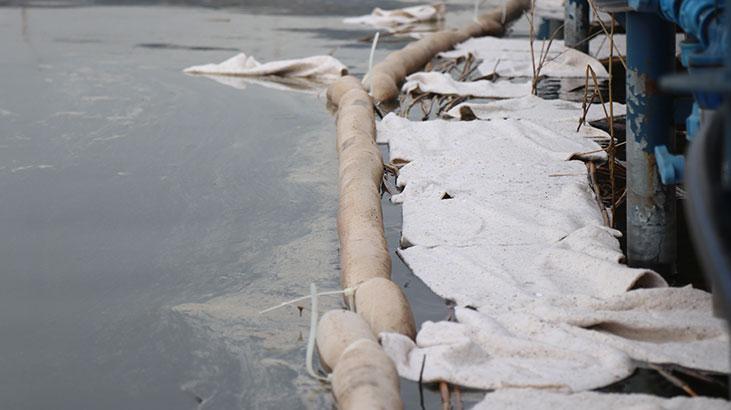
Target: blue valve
[[671, 167]]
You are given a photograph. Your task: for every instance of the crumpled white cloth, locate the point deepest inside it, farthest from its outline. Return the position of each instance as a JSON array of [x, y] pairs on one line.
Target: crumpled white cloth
[[443, 83], [301, 85], [497, 219], [398, 17], [566, 344], [541, 399], [511, 57], [323, 69]]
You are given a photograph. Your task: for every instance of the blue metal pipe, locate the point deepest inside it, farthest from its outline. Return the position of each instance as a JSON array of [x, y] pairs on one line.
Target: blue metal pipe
[[704, 47], [576, 25], [651, 229], [544, 30], [696, 17]]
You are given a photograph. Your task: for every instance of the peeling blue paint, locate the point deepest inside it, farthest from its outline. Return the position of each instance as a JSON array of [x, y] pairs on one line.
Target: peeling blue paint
[[651, 237]]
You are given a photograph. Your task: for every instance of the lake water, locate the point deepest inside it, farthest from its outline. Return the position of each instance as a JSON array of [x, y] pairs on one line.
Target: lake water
[[147, 216]]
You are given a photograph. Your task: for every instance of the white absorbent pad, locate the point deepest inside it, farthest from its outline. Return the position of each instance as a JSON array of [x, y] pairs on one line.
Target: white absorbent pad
[[317, 69], [302, 85], [496, 218], [512, 57], [547, 400], [443, 83], [398, 17], [564, 116]]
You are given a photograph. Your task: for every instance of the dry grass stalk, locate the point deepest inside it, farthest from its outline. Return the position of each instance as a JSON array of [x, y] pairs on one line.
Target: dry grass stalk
[[414, 100], [609, 114], [458, 405], [444, 392], [453, 101], [697, 374], [612, 153], [545, 48], [606, 149], [586, 103], [531, 21], [674, 380], [421, 382], [544, 54], [466, 67], [427, 111], [544, 58], [612, 46], [597, 192]]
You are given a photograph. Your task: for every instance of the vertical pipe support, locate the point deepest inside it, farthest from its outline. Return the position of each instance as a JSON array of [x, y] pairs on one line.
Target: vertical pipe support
[[576, 25], [651, 207]]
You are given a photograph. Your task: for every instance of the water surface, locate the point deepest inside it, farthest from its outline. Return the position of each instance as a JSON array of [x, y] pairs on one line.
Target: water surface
[[148, 215]]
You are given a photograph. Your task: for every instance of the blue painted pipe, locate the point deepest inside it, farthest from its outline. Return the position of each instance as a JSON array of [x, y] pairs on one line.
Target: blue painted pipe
[[708, 38], [651, 229], [695, 17], [544, 30]]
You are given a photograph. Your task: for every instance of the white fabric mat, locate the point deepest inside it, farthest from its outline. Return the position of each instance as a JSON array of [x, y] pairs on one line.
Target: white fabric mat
[[563, 115], [398, 17], [302, 85], [497, 219], [297, 73], [443, 83], [511, 57], [538, 399]]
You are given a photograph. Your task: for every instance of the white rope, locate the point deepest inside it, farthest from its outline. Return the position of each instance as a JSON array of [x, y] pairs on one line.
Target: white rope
[[373, 50], [313, 336], [367, 77], [349, 293]]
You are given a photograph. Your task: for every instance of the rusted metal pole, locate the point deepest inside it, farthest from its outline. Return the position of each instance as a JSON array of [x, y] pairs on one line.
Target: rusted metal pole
[[651, 218], [576, 25]]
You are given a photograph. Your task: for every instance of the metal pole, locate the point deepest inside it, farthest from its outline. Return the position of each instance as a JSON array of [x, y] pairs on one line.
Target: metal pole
[[576, 25], [651, 223]]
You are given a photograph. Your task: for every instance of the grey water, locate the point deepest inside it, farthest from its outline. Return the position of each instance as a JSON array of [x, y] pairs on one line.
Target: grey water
[[147, 216]]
